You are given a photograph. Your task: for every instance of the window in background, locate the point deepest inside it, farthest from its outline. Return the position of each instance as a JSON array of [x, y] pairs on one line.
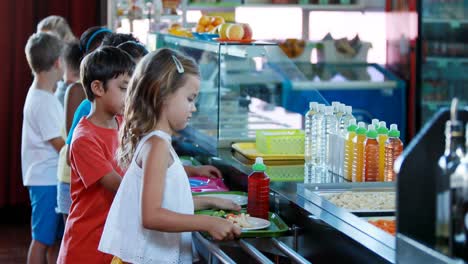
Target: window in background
[[272, 22], [370, 26]]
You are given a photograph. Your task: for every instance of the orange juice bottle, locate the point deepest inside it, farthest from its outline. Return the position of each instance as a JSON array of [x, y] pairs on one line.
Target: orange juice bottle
[[382, 138], [349, 150], [393, 149], [371, 155], [358, 162]]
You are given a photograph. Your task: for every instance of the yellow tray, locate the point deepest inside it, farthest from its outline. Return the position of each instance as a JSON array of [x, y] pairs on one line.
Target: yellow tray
[[249, 150]]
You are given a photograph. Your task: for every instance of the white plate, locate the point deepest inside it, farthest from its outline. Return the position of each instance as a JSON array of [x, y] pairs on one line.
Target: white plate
[[237, 198], [257, 223]]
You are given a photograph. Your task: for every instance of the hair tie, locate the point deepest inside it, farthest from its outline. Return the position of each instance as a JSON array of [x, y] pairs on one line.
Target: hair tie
[[102, 30]]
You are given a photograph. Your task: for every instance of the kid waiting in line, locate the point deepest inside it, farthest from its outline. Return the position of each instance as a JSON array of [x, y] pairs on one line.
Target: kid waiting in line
[[72, 76], [58, 25], [137, 51], [152, 215], [41, 141], [95, 174], [72, 96]]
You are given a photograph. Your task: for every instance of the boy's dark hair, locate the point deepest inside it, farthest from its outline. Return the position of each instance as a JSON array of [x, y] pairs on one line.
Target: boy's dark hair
[[73, 55], [115, 39], [92, 38], [135, 49], [42, 51], [104, 64]]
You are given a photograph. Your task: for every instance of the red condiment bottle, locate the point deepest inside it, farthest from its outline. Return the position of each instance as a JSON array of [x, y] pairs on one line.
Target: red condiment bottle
[[258, 191]]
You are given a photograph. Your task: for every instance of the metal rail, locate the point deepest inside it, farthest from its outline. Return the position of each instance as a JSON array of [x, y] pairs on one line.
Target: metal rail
[[289, 252], [213, 250], [254, 252]]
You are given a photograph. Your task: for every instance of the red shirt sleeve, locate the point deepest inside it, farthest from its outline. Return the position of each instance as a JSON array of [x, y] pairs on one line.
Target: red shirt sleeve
[[89, 161]]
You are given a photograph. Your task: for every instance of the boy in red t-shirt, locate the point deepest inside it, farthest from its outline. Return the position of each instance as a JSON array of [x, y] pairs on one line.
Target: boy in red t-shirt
[[95, 175]]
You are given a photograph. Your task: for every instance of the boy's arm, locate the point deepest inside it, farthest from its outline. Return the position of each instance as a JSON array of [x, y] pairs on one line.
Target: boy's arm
[[73, 98], [111, 181], [57, 143]]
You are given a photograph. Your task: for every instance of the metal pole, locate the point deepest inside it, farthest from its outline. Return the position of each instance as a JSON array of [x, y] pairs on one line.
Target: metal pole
[[213, 250], [289, 252], [254, 252]]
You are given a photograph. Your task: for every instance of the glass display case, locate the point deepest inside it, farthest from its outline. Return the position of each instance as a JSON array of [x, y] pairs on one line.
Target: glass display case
[[444, 28], [240, 91], [371, 90]]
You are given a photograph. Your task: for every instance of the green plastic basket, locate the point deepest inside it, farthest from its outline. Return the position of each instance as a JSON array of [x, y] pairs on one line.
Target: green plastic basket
[[285, 173], [280, 141]]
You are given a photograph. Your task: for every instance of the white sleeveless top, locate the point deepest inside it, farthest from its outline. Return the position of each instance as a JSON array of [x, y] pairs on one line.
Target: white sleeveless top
[[124, 235]]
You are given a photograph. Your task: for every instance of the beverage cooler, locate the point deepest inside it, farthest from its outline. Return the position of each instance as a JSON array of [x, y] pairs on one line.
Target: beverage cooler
[[426, 46], [443, 55]]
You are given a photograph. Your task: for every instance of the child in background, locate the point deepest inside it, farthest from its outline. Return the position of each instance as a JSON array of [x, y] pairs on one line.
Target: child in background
[[58, 25], [41, 141], [135, 49], [115, 39], [95, 175], [89, 41], [72, 75], [152, 215], [74, 94]]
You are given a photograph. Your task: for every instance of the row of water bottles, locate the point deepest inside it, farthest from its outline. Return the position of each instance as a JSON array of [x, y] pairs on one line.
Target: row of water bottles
[[338, 149]]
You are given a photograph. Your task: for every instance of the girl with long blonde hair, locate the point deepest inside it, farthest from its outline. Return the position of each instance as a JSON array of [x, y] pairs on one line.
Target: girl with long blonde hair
[[152, 215]]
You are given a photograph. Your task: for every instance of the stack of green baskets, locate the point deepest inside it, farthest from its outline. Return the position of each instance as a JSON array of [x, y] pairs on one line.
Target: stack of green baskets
[[280, 141], [285, 173]]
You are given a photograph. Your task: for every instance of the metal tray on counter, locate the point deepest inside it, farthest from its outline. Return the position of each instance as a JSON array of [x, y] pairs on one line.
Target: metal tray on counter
[[320, 193]]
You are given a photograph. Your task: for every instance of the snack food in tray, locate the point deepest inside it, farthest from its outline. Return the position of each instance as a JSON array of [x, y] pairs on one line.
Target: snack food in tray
[[388, 226], [363, 201]]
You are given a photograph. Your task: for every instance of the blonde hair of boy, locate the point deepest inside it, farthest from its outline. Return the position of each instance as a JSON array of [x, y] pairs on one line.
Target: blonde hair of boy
[[58, 25], [42, 51], [158, 75]]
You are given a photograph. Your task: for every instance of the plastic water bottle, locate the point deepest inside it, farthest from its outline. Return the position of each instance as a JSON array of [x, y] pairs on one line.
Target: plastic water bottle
[[344, 120], [309, 147], [349, 150], [335, 105], [339, 111], [371, 153], [342, 132], [330, 133], [258, 191], [375, 123], [382, 138], [393, 149], [317, 141], [358, 162]]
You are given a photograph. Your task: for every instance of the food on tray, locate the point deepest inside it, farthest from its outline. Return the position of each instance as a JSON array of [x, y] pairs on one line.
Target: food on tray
[[292, 47], [208, 23], [363, 200], [242, 220], [388, 226]]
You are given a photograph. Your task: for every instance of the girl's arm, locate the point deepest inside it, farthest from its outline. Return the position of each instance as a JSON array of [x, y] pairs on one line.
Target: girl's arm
[[155, 162], [202, 203], [73, 98], [204, 170]]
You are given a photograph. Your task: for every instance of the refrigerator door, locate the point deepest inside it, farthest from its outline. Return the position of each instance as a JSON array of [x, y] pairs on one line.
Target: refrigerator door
[[444, 55]]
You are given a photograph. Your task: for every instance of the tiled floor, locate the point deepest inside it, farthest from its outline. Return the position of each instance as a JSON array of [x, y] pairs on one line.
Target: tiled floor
[[14, 235]]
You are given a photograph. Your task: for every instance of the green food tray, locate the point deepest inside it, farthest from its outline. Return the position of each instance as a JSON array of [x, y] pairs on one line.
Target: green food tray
[[277, 226], [191, 160], [228, 192]]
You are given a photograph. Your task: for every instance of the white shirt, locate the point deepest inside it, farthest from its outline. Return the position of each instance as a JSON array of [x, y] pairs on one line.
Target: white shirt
[[124, 235], [43, 119]]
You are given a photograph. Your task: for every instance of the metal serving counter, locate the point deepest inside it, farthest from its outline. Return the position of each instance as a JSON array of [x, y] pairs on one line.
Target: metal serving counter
[[320, 231]]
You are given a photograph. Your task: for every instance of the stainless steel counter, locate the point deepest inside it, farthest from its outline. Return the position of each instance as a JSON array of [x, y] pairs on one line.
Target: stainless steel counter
[[328, 234]]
